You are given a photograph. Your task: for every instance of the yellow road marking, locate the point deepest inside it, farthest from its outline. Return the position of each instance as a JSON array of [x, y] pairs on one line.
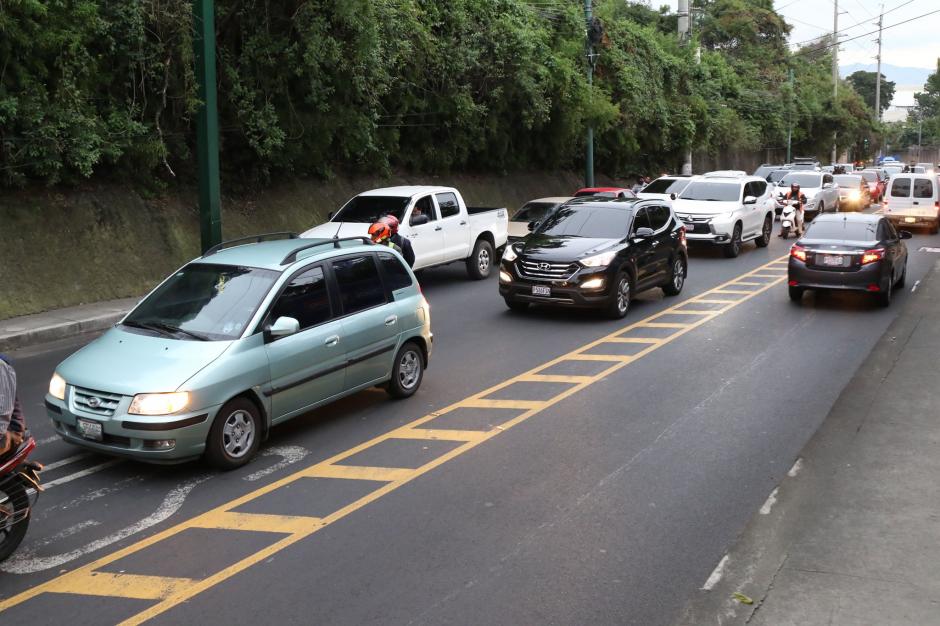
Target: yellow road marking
[[646, 340], [441, 434], [712, 301], [553, 378], [89, 580], [663, 325], [747, 284]]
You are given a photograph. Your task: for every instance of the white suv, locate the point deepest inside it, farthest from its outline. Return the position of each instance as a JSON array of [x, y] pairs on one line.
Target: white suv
[[727, 208]]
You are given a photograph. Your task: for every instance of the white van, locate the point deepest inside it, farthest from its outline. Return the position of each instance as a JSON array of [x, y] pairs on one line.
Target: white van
[[913, 200]]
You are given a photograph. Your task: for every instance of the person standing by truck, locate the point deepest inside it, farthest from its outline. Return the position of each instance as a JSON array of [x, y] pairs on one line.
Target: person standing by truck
[[407, 251], [12, 424]]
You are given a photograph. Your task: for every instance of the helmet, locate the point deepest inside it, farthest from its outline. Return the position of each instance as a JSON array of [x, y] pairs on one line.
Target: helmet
[[392, 222], [794, 186], [380, 232]]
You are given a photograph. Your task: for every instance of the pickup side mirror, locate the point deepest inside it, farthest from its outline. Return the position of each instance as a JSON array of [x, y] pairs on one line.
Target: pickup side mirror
[[419, 220], [672, 196], [905, 234], [282, 327], [750, 200], [643, 233], [533, 225]]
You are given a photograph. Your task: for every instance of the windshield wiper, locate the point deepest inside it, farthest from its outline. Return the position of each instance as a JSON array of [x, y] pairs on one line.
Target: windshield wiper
[[165, 329]]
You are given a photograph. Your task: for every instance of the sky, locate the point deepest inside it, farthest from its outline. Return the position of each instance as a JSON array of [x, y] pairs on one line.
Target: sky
[[914, 44]]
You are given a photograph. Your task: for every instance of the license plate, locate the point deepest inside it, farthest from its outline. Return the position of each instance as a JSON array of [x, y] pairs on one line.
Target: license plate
[[910, 220], [89, 429], [832, 259], [541, 290]]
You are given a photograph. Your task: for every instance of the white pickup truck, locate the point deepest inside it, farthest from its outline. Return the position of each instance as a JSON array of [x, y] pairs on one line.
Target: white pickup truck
[[441, 227]]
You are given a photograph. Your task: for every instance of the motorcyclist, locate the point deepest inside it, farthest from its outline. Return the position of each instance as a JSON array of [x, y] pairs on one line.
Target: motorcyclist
[[12, 424], [381, 235], [399, 240], [796, 194]]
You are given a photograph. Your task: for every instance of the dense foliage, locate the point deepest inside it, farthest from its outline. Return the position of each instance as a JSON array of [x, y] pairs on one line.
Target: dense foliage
[[312, 87]]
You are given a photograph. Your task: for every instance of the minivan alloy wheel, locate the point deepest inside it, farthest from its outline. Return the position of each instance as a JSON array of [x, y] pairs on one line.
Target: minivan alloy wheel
[[238, 433], [409, 369]]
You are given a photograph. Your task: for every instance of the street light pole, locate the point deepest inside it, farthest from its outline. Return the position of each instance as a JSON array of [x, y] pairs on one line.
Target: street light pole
[[207, 124], [835, 73], [589, 149], [878, 80]]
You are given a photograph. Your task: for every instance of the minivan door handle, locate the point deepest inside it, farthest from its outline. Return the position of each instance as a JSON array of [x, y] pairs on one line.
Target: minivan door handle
[[390, 320], [331, 340], [916, 202]]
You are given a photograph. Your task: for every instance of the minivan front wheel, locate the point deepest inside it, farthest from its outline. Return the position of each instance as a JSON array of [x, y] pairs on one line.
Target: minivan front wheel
[[235, 434], [408, 371]]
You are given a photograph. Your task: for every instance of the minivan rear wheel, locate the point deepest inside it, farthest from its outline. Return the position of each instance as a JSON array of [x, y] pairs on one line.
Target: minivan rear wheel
[[235, 434], [408, 371]]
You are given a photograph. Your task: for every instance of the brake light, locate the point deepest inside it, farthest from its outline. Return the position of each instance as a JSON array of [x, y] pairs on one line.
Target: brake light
[[871, 256], [682, 241], [798, 252]]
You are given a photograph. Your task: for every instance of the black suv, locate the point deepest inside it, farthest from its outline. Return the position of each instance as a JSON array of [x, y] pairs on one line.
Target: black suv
[[596, 254]]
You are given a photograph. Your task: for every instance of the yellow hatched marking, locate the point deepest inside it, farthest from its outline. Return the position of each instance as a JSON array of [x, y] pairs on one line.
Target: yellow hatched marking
[[359, 472], [486, 403], [664, 325], [747, 284], [767, 275], [440, 434], [686, 312], [258, 522], [136, 586], [173, 591], [646, 340], [712, 301], [553, 378]]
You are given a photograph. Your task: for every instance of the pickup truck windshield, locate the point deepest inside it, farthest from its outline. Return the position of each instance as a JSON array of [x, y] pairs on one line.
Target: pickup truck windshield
[[712, 192], [368, 209], [803, 180], [666, 185], [204, 302], [587, 221]]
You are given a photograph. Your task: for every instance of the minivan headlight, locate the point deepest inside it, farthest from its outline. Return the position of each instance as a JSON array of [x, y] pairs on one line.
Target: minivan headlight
[[599, 260], [509, 254], [159, 403], [57, 387]]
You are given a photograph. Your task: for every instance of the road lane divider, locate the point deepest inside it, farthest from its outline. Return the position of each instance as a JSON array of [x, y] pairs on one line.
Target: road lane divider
[[94, 578]]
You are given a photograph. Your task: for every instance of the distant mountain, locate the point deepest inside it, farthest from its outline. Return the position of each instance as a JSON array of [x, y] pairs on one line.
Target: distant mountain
[[898, 75]]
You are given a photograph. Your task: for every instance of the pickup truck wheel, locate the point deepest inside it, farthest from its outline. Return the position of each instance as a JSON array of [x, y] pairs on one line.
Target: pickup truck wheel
[[407, 372], [764, 240], [733, 248], [516, 305], [480, 263], [235, 434], [620, 297]]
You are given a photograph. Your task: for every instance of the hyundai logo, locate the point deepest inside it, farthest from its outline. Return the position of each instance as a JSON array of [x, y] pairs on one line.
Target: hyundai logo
[[544, 267], [93, 402]]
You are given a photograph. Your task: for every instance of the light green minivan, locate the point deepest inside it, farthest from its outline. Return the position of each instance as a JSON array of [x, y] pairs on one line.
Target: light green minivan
[[251, 334]]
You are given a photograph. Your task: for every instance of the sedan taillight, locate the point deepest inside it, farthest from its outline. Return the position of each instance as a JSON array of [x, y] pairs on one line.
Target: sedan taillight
[[872, 256], [798, 252]]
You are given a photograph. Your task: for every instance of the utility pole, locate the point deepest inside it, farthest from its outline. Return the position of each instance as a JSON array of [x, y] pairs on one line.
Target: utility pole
[[835, 72], [685, 31], [878, 77], [207, 124], [589, 152], [790, 122]]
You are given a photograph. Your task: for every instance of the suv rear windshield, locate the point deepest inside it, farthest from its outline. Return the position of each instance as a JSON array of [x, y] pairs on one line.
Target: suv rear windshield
[[802, 179], [712, 191], [667, 185], [587, 221], [204, 301], [842, 230], [533, 211], [368, 209]]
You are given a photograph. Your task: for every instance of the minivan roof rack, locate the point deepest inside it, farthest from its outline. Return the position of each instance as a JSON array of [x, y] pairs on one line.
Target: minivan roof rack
[[335, 241], [252, 238]]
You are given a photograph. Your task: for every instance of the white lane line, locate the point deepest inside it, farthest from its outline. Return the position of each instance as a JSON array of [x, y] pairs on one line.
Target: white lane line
[[914, 288], [24, 562], [48, 467], [769, 503], [90, 496], [796, 468], [716, 574], [40, 442], [290, 454], [85, 472]]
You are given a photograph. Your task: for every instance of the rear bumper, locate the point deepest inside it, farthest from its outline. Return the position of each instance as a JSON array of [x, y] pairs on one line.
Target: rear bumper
[[912, 220], [863, 279]]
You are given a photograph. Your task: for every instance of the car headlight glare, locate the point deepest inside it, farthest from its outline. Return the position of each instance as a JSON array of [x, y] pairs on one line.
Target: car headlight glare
[[509, 254], [57, 387], [504, 276], [599, 260], [855, 194], [159, 403], [593, 283]]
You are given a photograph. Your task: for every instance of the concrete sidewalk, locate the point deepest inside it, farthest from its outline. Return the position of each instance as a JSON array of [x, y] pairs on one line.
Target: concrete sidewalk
[[852, 535], [18, 332]]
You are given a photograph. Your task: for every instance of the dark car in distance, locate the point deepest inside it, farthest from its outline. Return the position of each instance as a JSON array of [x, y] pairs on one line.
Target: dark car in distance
[[849, 251], [596, 254]]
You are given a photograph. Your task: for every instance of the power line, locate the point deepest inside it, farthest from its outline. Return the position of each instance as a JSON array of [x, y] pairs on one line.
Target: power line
[[821, 48], [847, 28]]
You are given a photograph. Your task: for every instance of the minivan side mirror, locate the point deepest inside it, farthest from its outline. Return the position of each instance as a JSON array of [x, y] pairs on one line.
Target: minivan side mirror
[[750, 200], [533, 225], [419, 220], [282, 327], [905, 234]]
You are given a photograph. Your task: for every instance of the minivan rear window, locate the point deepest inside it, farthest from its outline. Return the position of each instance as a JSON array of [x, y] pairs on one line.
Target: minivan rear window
[[901, 188], [923, 188]]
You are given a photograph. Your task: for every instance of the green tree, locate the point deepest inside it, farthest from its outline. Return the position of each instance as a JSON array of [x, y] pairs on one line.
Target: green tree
[[864, 84], [928, 102]]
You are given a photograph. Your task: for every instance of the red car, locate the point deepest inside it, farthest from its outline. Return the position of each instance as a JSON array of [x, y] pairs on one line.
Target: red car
[[876, 184], [620, 193]]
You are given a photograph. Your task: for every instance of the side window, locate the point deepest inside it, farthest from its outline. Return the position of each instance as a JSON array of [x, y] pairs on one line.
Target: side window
[[396, 276], [305, 298], [759, 188], [923, 188], [425, 206], [641, 220], [827, 178], [901, 188], [889, 230], [658, 217], [359, 284], [447, 202]]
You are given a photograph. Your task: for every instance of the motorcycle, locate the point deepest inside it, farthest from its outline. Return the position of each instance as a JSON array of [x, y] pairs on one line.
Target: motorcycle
[[791, 218], [19, 490]]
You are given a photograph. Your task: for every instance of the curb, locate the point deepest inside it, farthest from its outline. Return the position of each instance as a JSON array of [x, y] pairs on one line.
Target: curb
[[52, 332]]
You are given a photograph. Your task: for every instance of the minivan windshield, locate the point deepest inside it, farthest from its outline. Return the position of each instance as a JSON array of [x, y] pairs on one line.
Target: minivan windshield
[[666, 185], [204, 302], [803, 179], [587, 221], [708, 191], [368, 209]]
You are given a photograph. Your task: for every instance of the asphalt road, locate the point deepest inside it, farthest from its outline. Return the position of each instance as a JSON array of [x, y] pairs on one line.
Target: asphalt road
[[610, 505]]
